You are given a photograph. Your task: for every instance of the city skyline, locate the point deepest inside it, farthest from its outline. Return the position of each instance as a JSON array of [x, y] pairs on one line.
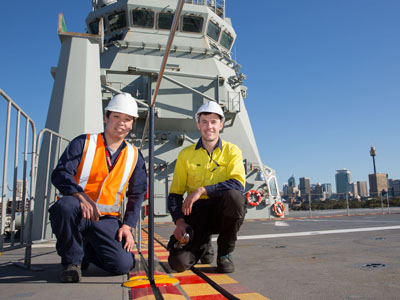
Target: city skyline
[[333, 182], [376, 182]]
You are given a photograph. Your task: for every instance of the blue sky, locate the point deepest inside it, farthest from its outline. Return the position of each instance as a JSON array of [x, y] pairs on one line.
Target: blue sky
[[323, 77]]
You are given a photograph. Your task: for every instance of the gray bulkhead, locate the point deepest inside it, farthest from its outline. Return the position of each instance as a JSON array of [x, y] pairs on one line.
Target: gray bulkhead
[[129, 64], [199, 68]]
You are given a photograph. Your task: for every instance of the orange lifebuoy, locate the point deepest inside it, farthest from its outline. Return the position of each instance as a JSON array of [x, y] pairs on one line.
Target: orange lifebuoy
[[258, 196], [279, 209]]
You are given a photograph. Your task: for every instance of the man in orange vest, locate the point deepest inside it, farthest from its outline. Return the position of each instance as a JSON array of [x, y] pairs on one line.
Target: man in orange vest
[[93, 174]]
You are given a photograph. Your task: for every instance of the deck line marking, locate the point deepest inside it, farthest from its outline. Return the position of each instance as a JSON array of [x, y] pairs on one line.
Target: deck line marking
[[305, 233], [281, 223]]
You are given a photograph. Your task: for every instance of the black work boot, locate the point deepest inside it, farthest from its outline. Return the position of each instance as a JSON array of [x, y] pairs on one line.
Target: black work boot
[[208, 255], [85, 264], [71, 274], [225, 264]]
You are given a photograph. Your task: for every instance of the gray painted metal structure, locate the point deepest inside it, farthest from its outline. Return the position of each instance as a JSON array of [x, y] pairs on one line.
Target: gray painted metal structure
[[123, 52]]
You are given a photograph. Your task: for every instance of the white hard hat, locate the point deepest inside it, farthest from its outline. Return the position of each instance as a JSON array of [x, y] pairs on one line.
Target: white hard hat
[[123, 103], [210, 107]]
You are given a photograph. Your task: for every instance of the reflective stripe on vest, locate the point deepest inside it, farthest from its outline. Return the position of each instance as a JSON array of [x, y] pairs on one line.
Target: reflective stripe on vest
[[88, 159], [104, 187], [127, 172]]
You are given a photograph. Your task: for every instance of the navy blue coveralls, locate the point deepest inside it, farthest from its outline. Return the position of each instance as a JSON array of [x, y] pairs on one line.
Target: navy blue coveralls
[[81, 239]]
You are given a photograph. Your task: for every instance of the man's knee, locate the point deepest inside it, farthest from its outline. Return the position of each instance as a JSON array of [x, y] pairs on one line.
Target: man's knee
[[120, 265], [235, 204], [181, 261], [66, 206]]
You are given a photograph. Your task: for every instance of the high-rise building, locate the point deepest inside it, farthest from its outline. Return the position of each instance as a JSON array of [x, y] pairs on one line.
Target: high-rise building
[[327, 189], [362, 188], [305, 188], [292, 181], [343, 178], [292, 193], [317, 192], [285, 189], [377, 183], [394, 187], [352, 188]]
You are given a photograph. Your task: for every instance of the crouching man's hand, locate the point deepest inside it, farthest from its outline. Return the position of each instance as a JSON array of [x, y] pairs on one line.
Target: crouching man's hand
[[89, 208], [191, 199], [180, 229], [125, 232]]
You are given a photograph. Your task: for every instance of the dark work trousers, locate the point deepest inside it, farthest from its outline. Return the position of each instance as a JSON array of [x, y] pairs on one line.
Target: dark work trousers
[[96, 241], [222, 216]]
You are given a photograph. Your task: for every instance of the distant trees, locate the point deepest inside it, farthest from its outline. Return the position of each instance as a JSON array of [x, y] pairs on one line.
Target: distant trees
[[341, 204]]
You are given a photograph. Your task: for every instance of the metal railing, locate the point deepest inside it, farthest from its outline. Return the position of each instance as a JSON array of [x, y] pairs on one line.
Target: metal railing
[[52, 148], [16, 202], [217, 6], [313, 201], [18, 198], [233, 102]]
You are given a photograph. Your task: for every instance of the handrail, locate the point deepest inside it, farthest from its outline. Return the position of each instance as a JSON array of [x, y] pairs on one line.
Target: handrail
[[49, 155], [25, 240]]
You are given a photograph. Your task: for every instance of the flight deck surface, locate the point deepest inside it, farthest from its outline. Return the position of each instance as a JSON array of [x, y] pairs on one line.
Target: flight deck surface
[[328, 256]]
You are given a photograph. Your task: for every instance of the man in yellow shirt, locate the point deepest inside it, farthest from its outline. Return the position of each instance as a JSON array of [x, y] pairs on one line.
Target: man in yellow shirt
[[212, 175]]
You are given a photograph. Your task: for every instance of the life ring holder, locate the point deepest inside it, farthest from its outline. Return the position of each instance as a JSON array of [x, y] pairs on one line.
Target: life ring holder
[[279, 209], [249, 195]]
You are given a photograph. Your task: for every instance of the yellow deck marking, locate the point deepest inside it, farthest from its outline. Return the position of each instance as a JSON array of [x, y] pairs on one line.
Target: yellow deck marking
[[192, 290], [222, 279], [199, 289], [159, 280], [251, 296], [173, 297], [145, 277]]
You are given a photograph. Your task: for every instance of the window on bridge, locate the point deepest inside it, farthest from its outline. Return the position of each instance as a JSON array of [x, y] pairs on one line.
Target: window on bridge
[[143, 18]]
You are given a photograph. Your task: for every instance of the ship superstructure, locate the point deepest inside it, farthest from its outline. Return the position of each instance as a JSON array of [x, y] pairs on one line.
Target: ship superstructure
[[123, 51]]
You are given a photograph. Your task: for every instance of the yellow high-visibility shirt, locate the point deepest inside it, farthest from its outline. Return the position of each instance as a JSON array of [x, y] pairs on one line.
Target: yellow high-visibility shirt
[[195, 167]]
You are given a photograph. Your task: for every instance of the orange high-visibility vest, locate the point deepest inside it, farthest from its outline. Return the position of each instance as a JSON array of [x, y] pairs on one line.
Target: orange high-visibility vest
[[102, 186]]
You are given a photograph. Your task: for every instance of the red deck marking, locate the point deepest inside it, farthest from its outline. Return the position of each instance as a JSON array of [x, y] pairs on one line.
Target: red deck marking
[[161, 257], [190, 279], [141, 292], [209, 297]]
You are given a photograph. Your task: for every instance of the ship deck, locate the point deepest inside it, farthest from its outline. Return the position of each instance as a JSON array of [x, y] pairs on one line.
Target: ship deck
[[327, 256]]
